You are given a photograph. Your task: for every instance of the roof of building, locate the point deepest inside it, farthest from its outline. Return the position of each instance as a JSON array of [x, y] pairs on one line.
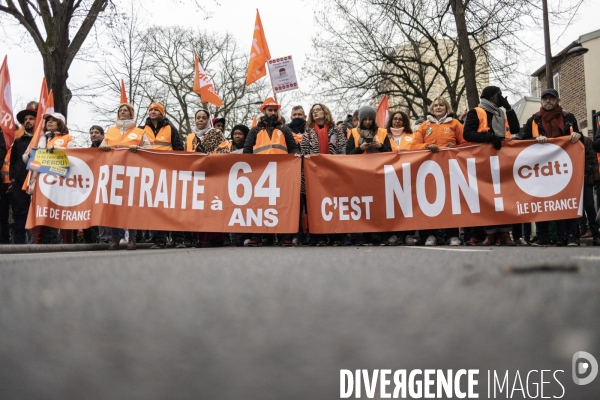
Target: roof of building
[[519, 106], [582, 39]]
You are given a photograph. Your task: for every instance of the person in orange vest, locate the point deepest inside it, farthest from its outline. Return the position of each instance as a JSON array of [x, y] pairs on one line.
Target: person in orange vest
[[399, 131], [270, 136], [205, 137], [440, 129], [162, 135], [549, 122], [401, 137], [367, 137], [18, 172], [124, 134], [492, 121]]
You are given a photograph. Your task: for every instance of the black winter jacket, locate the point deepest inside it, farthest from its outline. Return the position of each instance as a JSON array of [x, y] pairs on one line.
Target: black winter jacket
[[472, 124], [18, 168], [569, 119]]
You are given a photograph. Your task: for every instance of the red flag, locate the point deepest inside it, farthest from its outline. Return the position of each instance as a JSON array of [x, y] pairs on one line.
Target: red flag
[[259, 53], [382, 112], [123, 93], [203, 87], [7, 121]]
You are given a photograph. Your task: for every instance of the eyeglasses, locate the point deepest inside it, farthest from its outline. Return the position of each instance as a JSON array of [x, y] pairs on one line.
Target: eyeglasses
[[316, 110]]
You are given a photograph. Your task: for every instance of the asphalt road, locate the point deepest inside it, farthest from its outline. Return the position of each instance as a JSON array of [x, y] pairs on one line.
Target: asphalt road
[[280, 323]]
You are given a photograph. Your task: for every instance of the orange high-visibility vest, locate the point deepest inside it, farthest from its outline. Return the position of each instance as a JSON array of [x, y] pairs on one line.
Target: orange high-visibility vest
[[535, 130], [162, 141], [381, 135], [133, 137], [483, 124], [59, 141], [405, 142], [274, 145]]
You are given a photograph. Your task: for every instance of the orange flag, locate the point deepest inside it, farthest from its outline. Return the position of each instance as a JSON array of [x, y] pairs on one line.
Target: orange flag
[[46, 106], [259, 53], [123, 93], [203, 87], [7, 121], [253, 122], [382, 112]]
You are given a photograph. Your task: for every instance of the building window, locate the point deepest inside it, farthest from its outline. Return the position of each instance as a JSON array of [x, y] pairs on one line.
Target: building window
[[536, 89], [556, 78]]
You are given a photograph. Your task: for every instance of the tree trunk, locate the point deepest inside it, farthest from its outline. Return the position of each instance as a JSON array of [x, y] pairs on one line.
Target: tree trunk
[[467, 53]]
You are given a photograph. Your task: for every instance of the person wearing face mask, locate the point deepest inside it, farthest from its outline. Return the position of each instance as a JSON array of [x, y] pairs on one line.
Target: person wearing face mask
[[269, 136], [206, 138], [126, 134], [440, 129], [297, 123], [367, 138]]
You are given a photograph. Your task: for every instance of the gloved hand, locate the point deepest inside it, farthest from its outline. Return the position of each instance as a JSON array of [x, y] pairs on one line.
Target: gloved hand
[[504, 103], [497, 142]]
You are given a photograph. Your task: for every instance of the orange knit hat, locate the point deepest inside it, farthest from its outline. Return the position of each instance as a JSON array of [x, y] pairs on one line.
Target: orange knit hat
[[158, 106]]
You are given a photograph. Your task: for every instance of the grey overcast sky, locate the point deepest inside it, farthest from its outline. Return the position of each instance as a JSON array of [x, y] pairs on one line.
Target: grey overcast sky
[[288, 26]]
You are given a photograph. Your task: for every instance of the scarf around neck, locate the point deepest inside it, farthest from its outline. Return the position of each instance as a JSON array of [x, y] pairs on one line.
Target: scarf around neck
[[497, 116], [397, 134], [553, 122], [125, 124], [201, 132], [323, 136], [444, 120]]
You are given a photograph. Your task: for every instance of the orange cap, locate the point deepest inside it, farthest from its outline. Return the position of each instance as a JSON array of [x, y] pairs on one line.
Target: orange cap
[[269, 102]]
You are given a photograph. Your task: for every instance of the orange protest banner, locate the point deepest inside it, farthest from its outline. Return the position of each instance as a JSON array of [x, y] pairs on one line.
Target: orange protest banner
[[459, 187], [171, 191]]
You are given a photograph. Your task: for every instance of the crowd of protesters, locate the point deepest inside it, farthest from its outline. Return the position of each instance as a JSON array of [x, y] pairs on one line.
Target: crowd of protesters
[[493, 121]]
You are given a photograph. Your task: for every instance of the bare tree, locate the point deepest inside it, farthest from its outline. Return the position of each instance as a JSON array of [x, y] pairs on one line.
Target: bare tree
[[58, 29], [170, 62], [413, 50], [123, 58]]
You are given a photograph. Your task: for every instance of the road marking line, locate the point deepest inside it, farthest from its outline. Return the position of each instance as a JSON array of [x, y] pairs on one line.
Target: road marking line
[[446, 249], [589, 258]]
